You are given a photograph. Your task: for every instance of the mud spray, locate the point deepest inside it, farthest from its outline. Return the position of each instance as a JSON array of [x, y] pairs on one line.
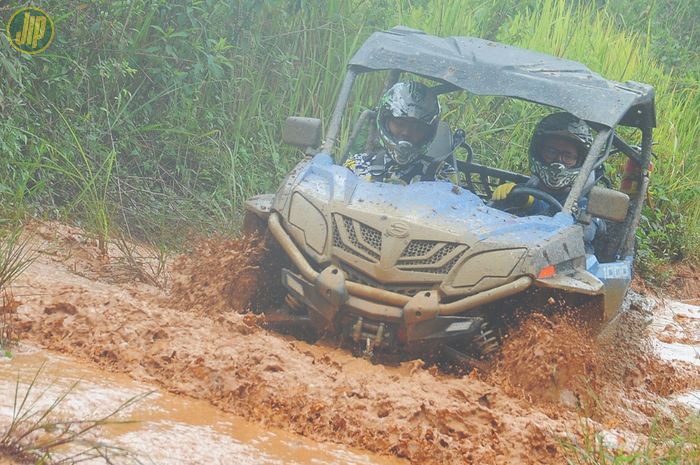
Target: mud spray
[[202, 338]]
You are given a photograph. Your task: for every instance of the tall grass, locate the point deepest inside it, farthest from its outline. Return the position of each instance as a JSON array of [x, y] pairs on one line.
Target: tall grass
[[158, 116], [674, 203], [623, 56], [674, 442], [161, 116], [16, 255], [38, 433], [584, 33]]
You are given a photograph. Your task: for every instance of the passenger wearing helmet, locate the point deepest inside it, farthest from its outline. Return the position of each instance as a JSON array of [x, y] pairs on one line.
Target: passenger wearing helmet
[[557, 149], [407, 119]]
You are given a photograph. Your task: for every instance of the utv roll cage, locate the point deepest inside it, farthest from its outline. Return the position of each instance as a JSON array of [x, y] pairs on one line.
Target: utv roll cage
[[487, 68]]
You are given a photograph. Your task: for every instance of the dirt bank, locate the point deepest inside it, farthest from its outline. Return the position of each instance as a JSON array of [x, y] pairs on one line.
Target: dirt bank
[[188, 339]]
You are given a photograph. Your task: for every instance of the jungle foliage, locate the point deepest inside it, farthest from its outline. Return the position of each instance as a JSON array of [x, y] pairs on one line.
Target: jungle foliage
[[151, 118]]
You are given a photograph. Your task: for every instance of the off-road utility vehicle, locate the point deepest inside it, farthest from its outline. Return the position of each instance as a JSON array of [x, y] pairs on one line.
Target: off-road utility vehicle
[[410, 268]]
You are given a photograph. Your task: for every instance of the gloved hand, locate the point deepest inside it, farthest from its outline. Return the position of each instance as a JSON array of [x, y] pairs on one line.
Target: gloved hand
[[501, 192]]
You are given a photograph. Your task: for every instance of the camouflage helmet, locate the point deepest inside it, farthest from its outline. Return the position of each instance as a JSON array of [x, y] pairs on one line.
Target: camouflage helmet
[[566, 126], [411, 100]]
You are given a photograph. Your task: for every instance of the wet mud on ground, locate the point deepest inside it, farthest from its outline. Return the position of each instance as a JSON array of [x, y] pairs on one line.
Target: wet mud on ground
[[149, 425], [193, 337]]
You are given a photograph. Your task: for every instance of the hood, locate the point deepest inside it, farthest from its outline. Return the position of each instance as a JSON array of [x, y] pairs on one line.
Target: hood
[[391, 233]]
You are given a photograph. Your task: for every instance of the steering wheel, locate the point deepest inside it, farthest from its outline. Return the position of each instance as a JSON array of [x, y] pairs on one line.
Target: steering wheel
[[554, 205]]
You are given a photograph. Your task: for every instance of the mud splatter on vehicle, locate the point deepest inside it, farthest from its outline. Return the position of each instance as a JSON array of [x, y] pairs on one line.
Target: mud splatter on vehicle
[[206, 349], [435, 267]]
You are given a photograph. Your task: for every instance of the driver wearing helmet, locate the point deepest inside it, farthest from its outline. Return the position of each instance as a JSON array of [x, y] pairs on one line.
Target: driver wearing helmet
[[407, 119], [557, 149]]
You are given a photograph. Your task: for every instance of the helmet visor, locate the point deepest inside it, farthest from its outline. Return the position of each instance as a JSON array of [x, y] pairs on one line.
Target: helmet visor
[[410, 130], [560, 150]]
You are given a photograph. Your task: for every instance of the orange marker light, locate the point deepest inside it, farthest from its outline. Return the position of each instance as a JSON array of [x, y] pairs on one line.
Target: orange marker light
[[547, 272]]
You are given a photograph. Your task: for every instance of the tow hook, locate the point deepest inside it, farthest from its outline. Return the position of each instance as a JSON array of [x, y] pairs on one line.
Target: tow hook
[[357, 330], [369, 334]]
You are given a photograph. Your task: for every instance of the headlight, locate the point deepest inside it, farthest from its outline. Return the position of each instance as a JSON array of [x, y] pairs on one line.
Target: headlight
[[309, 219], [485, 265]]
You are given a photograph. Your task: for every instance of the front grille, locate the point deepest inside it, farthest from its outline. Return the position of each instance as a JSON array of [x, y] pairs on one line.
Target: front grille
[[419, 254], [371, 236], [418, 248], [356, 238], [361, 278]]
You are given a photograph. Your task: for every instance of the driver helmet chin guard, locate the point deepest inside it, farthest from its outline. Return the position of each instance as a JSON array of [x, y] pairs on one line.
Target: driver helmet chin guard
[[410, 100], [557, 176]]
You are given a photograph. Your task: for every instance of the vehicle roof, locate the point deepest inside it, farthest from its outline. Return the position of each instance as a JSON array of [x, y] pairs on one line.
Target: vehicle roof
[[484, 67]]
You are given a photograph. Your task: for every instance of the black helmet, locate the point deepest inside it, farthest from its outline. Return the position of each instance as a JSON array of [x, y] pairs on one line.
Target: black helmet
[[414, 102], [563, 126]]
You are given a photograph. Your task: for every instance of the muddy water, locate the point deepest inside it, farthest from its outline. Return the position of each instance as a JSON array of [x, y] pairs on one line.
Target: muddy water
[[194, 338], [166, 428], [676, 327]]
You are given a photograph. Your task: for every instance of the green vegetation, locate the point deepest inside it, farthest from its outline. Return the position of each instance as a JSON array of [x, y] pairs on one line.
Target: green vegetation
[[159, 118], [151, 119], [677, 443], [15, 256], [40, 435], [668, 26], [590, 35]]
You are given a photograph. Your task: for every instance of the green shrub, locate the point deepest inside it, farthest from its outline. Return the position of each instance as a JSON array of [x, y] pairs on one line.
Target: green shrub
[[158, 117]]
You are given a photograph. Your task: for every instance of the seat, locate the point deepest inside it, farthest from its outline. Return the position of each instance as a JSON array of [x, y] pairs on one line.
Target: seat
[[441, 147]]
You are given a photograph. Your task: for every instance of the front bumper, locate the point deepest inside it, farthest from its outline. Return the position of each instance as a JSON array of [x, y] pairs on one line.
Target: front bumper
[[331, 308], [330, 298]]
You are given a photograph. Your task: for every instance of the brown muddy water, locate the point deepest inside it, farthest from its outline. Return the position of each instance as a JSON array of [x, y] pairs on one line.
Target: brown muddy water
[[266, 398], [162, 428]]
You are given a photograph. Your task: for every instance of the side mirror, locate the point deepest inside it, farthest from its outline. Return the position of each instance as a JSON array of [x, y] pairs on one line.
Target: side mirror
[[608, 204], [301, 132]]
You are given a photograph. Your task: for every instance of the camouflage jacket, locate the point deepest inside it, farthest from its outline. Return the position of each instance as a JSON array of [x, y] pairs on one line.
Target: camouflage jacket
[[379, 167]]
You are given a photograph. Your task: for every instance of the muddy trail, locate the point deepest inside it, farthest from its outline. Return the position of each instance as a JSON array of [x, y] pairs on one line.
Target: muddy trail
[[188, 329]]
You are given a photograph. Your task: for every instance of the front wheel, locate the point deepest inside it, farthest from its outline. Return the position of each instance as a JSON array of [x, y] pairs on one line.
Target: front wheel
[[486, 341], [253, 225]]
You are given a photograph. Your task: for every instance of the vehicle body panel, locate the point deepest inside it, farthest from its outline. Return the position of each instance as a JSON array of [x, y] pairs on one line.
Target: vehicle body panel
[[408, 267], [484, 67]]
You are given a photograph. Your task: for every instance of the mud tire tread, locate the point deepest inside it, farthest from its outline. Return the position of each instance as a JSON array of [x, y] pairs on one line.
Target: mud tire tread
[[487, 341]]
